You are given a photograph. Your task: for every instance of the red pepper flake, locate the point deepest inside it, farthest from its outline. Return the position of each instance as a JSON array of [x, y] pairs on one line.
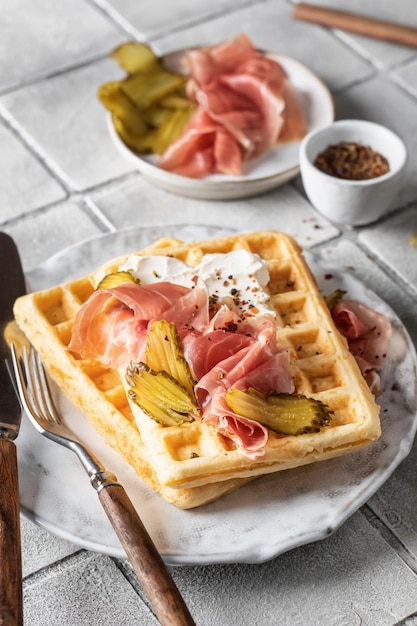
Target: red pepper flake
[[328, 276], [352, 161]]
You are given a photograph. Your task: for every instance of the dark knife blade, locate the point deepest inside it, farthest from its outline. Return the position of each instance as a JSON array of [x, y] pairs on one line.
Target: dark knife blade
[[12, 285]]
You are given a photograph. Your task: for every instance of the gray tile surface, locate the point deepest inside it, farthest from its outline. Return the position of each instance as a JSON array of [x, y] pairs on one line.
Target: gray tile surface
[[66, 124], [86, 589], [390, 242], [51, 229], [43, 37], [308, 586], [26, 183], [62, 181], [159, 17], [40, 549], [136, 202]]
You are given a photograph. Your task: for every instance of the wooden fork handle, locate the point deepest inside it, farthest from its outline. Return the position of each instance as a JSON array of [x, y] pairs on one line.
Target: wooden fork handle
[[148, 564], [11, 611]]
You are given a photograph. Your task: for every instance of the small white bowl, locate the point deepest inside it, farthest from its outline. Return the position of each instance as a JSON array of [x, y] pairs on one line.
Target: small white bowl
[[352, 202]]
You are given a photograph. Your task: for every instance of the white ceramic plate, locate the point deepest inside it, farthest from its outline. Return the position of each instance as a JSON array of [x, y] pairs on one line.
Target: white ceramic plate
[[259, 521], [273, 169]]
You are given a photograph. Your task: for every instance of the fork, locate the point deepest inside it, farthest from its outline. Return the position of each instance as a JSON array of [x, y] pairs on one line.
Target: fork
[[36, 398]]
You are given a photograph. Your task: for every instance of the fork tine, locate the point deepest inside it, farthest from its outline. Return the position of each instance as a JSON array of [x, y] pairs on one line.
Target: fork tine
[[42, 388], [20, 379], [32, 385]]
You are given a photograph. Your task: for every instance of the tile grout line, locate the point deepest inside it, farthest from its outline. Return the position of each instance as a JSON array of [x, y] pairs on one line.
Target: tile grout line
[[390, 538]]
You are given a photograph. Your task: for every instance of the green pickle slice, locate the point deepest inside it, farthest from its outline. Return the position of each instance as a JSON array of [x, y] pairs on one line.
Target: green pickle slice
[[334, 298], [284, 413], [163, 387], [164, 352], [159, 395], [117, 278]]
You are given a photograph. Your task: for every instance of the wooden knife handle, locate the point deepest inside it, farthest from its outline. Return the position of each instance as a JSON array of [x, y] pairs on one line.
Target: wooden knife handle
[[148, 564], [11, 609]]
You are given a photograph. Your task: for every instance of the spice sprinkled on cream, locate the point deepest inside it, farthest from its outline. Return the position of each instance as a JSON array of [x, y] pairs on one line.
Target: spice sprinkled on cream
[[238, 275]]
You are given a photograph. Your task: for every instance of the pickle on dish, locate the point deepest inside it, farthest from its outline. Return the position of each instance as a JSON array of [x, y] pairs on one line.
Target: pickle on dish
[[117, 278], [133, 56], [170, 129], [142, 144], [149, 106], [334, 298], [284, 413], [121, 107], [159, 395], [164, 352], [144, 90]]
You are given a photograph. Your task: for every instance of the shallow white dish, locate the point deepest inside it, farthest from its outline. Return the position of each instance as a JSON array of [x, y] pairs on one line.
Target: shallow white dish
[[273, 169], [259, 521]]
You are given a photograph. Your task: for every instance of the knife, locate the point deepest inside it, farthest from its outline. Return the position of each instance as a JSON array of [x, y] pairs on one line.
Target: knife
[[12, 285]]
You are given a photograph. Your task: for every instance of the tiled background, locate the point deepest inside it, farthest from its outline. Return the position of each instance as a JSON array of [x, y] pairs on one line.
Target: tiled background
[[62, 181]]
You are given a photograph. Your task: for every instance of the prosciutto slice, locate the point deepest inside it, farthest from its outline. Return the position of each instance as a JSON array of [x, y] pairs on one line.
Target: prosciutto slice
[[368, 334], [249, 437], [205, 351], [205, 64], [111, 326], [246, 104], [259, 364], [204, 147]]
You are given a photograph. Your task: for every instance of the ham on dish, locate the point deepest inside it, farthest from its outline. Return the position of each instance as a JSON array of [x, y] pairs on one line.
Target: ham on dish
[[111, 326], [245, 105], [223, 349], [368, 334]]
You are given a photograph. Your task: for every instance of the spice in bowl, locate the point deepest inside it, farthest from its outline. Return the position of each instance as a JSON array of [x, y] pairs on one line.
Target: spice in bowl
[[352, 161]]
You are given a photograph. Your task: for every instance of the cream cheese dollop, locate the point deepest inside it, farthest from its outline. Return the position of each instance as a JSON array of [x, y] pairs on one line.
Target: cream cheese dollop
[[240, 275]]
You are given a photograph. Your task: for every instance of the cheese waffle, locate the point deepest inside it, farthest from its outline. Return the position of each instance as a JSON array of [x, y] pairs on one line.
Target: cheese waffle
[[192, 464]]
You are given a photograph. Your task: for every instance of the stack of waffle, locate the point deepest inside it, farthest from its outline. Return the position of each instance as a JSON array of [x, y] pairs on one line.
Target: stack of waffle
[[191, 464]]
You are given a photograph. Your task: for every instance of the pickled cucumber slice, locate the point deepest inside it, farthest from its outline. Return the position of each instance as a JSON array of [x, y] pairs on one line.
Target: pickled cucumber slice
[[144, 90], [133, 57], [171, 128], [334, 298], [164, 352], [117, 278], [159, 395], [284, 413], [121, 107], [142, 144], [149, 107]]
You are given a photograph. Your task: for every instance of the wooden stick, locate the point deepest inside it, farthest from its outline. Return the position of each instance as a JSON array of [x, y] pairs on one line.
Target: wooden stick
[[360, 24]]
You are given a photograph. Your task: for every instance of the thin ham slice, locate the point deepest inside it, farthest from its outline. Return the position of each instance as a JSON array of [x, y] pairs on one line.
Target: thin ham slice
[[205, 351], [368, 334], [251, 367], [205, 64], [111, 326], [249, 437], [204, 147], [259, 364], [246, 104]]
